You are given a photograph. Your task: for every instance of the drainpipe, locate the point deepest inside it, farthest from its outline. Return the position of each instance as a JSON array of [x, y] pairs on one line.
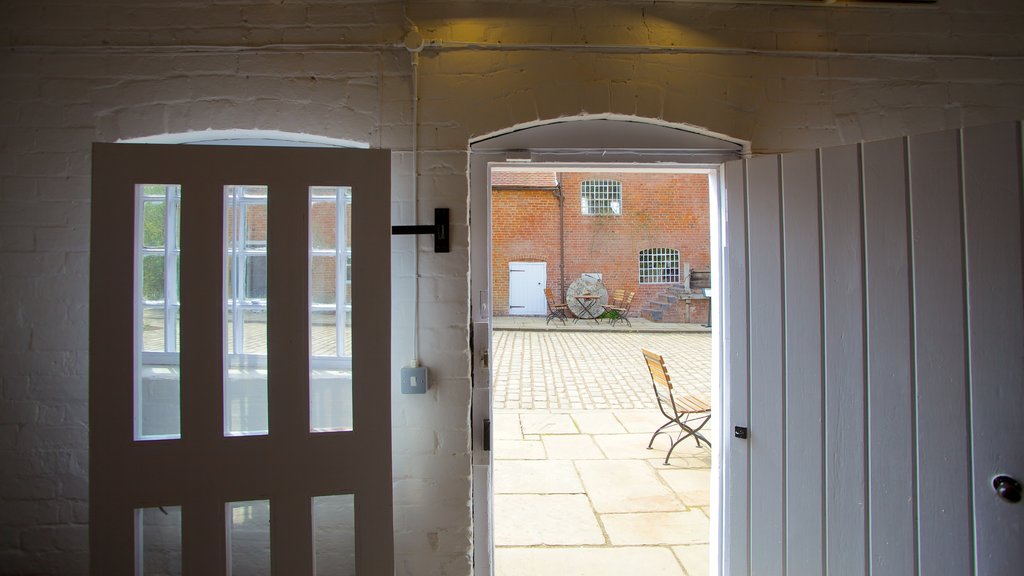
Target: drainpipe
[[561, 233]]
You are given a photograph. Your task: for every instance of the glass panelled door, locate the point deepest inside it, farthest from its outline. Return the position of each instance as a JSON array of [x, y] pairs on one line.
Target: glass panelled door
[[239, 354]]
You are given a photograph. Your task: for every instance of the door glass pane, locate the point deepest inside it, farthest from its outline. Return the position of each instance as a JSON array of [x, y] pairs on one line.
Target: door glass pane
[[245, 313], [256, 226], [324, 282], [249, 538], [158, 541], [154, 215], [157, 391], [330, 381], [153, 279], [334, 535]]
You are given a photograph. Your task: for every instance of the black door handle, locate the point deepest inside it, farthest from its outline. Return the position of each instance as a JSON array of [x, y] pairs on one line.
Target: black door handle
[[1007, 488]]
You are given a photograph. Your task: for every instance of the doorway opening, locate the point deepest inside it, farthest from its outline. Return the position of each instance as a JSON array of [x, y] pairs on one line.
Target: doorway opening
[[573, 403], [567, 440]]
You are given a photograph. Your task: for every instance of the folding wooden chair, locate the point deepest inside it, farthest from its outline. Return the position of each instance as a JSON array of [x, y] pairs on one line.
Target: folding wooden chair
[[620, 312], [684, 411], [555, 309]]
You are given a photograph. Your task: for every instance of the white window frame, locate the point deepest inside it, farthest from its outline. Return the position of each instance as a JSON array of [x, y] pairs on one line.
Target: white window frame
[[342, 253], [169, 306], [659, 261], [236, 256], [171, 252], [601, 197]]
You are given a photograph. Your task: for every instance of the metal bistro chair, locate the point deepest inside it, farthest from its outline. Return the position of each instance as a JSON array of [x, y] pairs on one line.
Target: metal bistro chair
[[620, 312], [555, 309], [683, 411]]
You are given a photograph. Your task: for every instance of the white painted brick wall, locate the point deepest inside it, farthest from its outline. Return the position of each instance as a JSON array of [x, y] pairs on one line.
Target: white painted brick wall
[[54, 101]]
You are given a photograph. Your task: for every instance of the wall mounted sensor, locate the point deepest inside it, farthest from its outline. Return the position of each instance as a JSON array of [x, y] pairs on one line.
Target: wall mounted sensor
[[414, 380]]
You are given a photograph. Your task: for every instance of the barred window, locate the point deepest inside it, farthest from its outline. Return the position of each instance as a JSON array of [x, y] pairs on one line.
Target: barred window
[[659, 266], [601, 197]]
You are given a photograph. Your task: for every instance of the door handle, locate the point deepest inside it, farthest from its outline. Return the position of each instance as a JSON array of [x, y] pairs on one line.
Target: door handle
[[1007, 488]]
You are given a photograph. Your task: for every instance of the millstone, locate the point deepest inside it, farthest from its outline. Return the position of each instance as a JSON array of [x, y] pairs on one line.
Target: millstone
[[583, 286]]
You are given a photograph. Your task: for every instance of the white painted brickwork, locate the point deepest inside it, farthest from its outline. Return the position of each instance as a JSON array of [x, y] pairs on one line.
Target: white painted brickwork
[[71, 73]]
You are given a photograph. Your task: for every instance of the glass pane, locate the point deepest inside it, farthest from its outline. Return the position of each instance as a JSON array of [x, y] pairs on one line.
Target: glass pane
[[154, 229], [245, 385], [159, 402], [330, 381], [254, 331], [256, 226], [253, 191], [325, 191], [245, 391], [158, 549], [157, 391], [323, 225], [255, 280], [153, 278], [249, 538], [334, 535], [324, 333], [153, 330], [330, 399], [324, 280], [156, 190]]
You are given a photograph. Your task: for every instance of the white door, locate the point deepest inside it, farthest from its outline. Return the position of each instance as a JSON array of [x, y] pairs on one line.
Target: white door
[[874, 326], [239, 387], [526, 283]]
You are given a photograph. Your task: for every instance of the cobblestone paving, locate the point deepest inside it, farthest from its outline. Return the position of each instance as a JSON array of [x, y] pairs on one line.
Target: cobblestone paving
[[591, 370]]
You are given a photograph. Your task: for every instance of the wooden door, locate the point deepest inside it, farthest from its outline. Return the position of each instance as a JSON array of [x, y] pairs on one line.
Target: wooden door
[[526, 283], [875, 328], [239, 361]]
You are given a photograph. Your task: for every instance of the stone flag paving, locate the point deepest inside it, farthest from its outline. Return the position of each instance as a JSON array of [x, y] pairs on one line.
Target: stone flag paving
[[579, 493], [576, 491]]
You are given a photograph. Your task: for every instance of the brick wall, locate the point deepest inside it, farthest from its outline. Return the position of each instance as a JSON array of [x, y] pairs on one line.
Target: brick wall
[[524, 228], [78, 71], [659, 210]]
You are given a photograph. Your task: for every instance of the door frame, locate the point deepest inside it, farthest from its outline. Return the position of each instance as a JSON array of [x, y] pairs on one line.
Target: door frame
[[484, 155]]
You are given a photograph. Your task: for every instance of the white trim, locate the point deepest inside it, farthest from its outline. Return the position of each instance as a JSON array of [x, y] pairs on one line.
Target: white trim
[[248, 138], [743, 144]]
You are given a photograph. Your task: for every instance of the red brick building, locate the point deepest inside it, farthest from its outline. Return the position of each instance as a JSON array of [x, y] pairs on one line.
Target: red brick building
[[636, 229]]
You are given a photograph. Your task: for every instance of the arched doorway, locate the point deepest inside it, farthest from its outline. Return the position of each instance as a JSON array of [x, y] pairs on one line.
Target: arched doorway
[[580, 142]]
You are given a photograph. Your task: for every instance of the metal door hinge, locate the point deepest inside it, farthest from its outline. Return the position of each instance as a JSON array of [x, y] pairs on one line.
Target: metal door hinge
[[439, 229]]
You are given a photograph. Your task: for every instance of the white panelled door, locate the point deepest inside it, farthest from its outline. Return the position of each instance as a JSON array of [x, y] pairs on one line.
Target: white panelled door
[[526, 283], [874, 356], [239, 361]]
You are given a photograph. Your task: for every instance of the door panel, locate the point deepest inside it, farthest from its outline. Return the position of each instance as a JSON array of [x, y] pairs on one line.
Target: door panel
[[526, 282], [766, 392], [804, 393], [274, 478], [995, 305], [943, 427], [902, 324], [890, 422]]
